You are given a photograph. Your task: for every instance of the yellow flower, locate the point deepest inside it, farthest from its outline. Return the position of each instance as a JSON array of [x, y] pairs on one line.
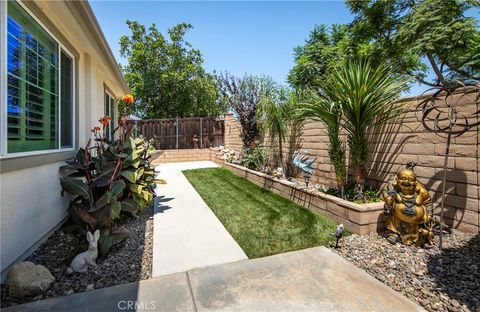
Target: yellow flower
[[128, 99]]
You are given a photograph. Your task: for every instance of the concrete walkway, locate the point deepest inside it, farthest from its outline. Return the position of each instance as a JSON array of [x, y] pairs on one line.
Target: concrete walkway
[[186, 233], [313, 279]]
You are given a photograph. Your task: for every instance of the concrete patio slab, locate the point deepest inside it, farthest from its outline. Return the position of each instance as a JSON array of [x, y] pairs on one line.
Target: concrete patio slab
[[313, 279], [187, 234], [166, 293]]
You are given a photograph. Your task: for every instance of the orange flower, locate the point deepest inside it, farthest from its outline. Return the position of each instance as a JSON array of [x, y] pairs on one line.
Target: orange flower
[[95, 129], [128, 99], [105, 120]]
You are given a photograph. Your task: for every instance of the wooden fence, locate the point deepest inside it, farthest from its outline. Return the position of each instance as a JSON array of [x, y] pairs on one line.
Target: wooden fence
[[182, 133]]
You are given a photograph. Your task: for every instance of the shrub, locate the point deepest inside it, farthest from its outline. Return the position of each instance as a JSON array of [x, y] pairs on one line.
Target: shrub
[[105, 180], [255, 157], [242, 96]]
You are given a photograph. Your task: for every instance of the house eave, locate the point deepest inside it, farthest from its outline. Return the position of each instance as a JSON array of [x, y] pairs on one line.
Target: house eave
[[85, 11]]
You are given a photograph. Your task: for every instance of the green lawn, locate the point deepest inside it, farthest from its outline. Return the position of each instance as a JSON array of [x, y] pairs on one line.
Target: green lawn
[[263, 223]]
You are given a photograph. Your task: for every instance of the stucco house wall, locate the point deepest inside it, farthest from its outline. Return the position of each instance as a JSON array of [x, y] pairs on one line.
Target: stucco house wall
[[31, 206]]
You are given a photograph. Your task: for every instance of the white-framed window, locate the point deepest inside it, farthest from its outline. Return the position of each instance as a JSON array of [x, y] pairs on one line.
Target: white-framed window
[[110, 111], [38, 86]]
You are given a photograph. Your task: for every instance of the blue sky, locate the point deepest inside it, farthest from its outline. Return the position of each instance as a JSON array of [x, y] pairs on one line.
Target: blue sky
[[241, 37], [237, 36]]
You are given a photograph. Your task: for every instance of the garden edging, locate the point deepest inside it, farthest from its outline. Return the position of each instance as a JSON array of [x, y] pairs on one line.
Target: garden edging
[[358, 218]]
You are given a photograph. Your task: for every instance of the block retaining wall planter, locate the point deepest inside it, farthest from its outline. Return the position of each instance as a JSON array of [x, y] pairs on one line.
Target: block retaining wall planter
[[358, 218], [183, 155]]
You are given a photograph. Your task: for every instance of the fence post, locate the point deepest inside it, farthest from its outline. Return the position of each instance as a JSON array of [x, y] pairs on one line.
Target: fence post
[[201, 133], [176, 133]]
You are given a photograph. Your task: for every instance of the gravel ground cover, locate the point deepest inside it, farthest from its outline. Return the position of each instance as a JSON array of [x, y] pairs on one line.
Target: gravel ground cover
[[130, 261], [447, 280]]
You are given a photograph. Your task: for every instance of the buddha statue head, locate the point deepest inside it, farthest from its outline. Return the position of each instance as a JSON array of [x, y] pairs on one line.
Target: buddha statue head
[[406, 181]]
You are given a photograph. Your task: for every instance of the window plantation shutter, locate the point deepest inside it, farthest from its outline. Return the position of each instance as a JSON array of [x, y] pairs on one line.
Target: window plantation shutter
[[32, 84]]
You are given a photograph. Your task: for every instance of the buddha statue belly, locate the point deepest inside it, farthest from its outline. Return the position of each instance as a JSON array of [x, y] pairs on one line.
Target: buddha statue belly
[[406, 205]]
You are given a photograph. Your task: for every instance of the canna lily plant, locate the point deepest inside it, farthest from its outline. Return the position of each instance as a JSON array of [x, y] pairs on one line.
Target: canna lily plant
[[107, 179]]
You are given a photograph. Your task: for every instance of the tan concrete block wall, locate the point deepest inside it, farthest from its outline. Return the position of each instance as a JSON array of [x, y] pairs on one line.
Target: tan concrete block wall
[[233, 132], [395, 144], [181, 155]]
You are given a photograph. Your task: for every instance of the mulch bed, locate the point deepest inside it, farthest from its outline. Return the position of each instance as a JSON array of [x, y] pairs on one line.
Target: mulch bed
[[128, 262], [447, 280]]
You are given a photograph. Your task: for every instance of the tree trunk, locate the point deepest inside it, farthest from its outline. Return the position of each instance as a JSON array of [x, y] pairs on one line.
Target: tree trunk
[[280, 147]]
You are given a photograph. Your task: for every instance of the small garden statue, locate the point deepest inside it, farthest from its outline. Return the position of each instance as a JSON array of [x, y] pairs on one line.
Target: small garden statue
[[407, 203], [83, 260], [195, 141], [278, 173], [304, 164]]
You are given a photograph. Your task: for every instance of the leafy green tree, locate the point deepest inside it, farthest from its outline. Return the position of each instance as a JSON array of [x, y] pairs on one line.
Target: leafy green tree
[[323, 51], [166, 76], [421, 36], [365, 95], [242, 95]]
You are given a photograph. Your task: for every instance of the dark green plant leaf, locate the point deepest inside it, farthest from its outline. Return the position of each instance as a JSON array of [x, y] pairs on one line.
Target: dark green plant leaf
[[117, 155], [101, 202], [116, 207], [74, 187], [81, 157], [130, 175], [139, 201], [118, 186], [129, 143], [108, 240], [104, 177], [78, 211], [67, 170], [104, 243], [100, 162], [129, 205]]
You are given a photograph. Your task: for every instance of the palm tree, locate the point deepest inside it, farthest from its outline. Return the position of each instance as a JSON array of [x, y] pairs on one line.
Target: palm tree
[[323, 109], [276, 112], [366, 96]]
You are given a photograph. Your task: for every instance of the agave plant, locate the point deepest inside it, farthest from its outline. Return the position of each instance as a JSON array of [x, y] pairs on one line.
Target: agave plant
[[366, 96]]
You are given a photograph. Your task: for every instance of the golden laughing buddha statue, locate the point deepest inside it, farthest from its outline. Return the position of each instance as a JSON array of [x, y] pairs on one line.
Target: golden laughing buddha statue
[[407, 203]]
